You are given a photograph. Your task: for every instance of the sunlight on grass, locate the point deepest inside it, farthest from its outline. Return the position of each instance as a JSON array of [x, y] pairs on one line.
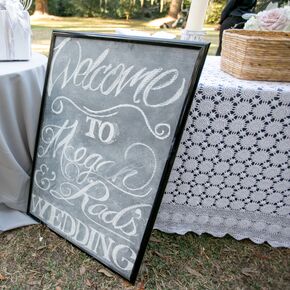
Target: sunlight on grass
[[42, 28]]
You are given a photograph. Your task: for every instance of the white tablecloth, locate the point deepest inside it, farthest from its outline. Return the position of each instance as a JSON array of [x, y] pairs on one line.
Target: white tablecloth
[[232, 171], [21, 85]]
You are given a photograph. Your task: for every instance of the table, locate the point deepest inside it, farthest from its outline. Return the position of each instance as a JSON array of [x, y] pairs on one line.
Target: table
[[21, 85], [232, 171]]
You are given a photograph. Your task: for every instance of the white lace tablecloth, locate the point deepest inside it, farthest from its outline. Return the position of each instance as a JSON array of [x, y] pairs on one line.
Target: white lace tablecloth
[[232, 171]]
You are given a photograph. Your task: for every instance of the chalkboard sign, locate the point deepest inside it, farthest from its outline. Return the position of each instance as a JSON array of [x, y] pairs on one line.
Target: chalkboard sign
[[112, 116]]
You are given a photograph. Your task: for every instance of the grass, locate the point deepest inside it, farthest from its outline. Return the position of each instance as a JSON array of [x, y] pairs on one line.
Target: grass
[[42, 28], [35, 258]]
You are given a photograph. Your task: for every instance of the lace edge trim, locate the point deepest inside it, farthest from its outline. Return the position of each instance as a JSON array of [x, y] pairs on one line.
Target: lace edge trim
[[176, 229], [240, 225]]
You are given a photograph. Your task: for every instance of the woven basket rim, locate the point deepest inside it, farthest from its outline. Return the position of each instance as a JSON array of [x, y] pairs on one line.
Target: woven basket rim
[[256, 55], [257, 34]]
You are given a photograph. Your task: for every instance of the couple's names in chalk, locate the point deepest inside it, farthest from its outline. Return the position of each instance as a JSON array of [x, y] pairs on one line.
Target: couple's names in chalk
[[80, 166]]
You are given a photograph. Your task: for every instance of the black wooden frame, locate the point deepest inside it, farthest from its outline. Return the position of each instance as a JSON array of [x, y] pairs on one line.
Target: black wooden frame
[[202, 47]]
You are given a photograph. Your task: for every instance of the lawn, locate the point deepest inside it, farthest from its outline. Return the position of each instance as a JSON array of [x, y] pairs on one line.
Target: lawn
[[35, 258], [42, 28]]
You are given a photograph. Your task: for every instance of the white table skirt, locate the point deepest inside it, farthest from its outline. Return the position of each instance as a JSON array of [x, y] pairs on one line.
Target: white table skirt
[[232, 171], [21, 85]]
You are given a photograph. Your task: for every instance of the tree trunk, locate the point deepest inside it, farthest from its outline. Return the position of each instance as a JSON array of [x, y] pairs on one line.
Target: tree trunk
[[175, 8], [41, 7], [161, 5]]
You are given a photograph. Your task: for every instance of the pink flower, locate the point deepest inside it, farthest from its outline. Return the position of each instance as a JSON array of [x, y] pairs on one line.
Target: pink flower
[[274, 19]]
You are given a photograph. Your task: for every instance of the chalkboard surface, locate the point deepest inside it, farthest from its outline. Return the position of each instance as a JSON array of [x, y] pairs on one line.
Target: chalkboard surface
[[112, 116]]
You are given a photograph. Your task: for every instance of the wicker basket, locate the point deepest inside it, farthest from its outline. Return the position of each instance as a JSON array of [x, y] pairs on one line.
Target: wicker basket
[[256, 55]]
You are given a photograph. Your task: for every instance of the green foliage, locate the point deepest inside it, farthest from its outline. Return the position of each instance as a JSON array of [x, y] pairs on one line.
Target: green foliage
[[214, 11], [216, 6], [111, 8], [86, 8], [60, 7], [126, 9], [135, 8], [262, 4]]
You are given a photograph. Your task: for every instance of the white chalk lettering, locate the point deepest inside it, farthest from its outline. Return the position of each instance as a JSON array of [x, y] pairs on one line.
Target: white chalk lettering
[[107, 131], [101, 245], [111, 80], [119, 258]]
